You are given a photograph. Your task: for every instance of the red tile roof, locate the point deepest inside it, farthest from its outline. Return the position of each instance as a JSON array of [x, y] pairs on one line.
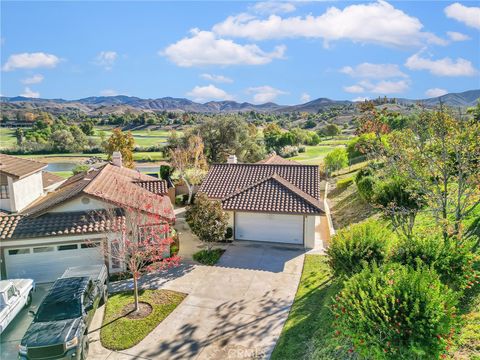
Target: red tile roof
[[55, 224], [277, 160], [49, 179], [19, 167], [265, 187], [112, 184]]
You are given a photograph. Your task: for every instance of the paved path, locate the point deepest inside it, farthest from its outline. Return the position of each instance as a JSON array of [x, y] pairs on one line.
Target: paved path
[[235, 310]]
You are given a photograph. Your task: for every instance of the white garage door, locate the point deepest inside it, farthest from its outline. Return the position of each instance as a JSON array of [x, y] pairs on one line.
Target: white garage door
[[269, 227], [46, 263]]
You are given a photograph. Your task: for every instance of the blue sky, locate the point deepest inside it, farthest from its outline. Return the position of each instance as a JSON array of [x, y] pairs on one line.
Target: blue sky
[[286, 52]]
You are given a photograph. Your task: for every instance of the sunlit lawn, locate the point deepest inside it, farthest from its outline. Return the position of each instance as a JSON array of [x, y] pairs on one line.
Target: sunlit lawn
[[313, 155]]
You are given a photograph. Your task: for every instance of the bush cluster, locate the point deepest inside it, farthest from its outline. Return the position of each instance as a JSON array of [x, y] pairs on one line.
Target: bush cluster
[[396, 312], [453, 261], [355, 247]]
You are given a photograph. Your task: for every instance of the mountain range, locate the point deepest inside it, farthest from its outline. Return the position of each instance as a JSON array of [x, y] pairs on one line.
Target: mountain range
[[122, 103]]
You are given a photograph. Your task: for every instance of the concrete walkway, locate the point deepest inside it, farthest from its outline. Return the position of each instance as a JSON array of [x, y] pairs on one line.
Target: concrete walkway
[[235, 310]]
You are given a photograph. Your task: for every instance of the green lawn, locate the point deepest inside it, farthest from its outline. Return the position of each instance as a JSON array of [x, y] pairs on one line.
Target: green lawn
[[64, 174], [7, 138], [313, 155], [308, 330], [119, 332], [142, 137]]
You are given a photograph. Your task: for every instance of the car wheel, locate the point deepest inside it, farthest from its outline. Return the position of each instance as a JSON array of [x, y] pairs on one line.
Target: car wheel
[[85, 347], [29, 300]]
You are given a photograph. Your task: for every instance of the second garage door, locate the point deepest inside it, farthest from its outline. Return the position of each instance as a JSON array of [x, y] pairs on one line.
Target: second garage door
[[46, 263], [269, 227]]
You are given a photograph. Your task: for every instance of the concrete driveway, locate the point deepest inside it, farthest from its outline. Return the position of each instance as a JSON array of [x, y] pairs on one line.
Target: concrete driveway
[[235, 310], [13, 334]]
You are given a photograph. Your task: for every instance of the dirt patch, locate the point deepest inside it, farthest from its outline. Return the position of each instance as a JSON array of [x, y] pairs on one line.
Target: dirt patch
[[144, 309]]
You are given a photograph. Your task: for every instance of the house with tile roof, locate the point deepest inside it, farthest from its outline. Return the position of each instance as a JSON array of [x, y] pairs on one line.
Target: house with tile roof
[[72, 225], [275, 200], [23, 181]]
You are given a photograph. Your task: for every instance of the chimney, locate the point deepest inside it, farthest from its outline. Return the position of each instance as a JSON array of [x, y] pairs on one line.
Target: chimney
[[117, 158], [232, 159]]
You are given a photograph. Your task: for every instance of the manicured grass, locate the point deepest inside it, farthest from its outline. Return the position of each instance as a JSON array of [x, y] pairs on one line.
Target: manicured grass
[[64, 174], [308, 331], [313, 155], [7, 138], [141, 156], [119, 332], [206, 257]]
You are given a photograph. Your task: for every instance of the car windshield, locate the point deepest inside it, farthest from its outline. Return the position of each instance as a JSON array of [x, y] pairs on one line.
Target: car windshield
[[59, 310]]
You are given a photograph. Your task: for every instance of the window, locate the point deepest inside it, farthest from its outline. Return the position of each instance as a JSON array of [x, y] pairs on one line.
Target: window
[[19, 251], [4, 192], [67, 247], [115, 246], [43, 249], [85, 200], [11, 292], [89, 245]]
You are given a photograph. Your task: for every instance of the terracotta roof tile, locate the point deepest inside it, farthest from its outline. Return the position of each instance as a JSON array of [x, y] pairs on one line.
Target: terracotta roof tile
[[49, 179], [54, 224], [273, 194], [277, 160], [265, 187], [19, 167], [159, 187], [109, 183]]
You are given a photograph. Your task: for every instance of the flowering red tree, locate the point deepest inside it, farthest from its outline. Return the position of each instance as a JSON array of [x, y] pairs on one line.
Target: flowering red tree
[[138, 232]]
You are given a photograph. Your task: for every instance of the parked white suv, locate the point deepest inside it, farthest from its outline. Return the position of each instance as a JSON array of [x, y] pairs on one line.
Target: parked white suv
[[15, 294]]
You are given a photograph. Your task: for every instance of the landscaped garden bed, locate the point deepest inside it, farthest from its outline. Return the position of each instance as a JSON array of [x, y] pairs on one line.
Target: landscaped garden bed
[[206, 257], [123, 328]]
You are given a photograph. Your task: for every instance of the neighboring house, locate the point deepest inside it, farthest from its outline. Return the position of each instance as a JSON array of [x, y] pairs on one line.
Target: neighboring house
[[23, 181], [275, 159], [276, 201], [68, 228]]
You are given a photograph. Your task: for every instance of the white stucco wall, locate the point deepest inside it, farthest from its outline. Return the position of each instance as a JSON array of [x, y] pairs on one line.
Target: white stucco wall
[[231, 216], [82, 203], [309, 230], [25, 191]]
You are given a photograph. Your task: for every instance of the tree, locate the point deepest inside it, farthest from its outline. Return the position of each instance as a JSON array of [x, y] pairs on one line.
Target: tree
[[80, 138], [62, 141], [207, 220], [271, 134], [400, 203], [20, 136], [189, 163], [227, 135], [330, 130], [87, 127], [139, 236], [439, 155], [336, 159], [123, 142]]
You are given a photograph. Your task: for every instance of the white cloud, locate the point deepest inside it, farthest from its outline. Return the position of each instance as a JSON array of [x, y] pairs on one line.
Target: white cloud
[[360, 99], [456, 36], [441, 67], [106, 59], [30, 61], [383, 87], [377, 22], [35, 79], [109, 92], [304, 98], [216, 78], [470, 16], [264, 94], [207, 93], [354, 89], [273, 7], [374, 71], [204, 48], [435, 92], [27, 92]]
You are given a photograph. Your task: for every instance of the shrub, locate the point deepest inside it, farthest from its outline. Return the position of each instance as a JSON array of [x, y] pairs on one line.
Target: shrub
[[454, 262], [229, 233], [288, 151], [365, 187], [353, 248], [363, 172], [302, 149], [396, 312], [80, 168], [344, 183], [208, 257], [336, 159]]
